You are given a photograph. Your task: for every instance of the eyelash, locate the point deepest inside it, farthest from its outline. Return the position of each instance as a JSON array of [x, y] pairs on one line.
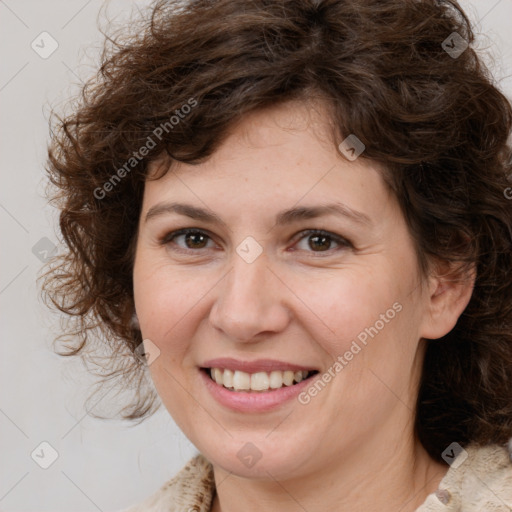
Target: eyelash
[[342, 242]]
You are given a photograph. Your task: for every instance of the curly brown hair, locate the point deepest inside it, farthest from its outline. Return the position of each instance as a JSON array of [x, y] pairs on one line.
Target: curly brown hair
[[433, 117]]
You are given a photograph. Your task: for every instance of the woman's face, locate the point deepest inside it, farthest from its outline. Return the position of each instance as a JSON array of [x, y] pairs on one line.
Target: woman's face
[[251, 285]]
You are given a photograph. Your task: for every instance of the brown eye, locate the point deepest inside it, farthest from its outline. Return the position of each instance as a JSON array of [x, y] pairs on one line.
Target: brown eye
[[193, 239], [322, 241]]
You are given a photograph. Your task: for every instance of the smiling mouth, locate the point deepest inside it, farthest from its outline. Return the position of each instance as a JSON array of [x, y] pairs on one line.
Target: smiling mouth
[[257, 382]]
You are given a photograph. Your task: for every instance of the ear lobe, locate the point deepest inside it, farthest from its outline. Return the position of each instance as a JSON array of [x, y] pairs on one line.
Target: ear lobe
[[450, 291]]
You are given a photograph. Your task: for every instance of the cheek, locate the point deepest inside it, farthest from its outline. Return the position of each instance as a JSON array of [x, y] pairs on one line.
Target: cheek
[[364, 322], [169, 303], [345, 303], [169, 307]]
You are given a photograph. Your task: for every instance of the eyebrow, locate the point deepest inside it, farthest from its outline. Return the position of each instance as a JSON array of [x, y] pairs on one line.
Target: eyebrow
[[282, 218]]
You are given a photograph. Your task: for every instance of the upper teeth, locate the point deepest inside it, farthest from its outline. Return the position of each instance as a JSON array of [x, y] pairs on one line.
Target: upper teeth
[[260, 381]]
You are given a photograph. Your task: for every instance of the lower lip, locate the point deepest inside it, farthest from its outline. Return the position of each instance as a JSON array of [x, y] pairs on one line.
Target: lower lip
[[257, 401]]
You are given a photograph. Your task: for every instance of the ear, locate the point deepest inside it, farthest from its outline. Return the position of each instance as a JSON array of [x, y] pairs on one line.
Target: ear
[[449, 291]]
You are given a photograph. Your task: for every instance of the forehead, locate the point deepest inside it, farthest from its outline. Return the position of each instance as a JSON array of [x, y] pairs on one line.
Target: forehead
[[284, 155]]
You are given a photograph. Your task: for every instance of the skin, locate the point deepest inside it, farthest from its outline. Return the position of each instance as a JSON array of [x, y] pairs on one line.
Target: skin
[[352, 447]]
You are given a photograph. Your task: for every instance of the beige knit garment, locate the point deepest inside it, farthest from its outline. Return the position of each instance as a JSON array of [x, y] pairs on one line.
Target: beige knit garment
[[482, 483]]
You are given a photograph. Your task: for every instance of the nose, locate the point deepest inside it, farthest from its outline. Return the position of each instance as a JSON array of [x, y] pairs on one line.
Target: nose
[[251, 301]]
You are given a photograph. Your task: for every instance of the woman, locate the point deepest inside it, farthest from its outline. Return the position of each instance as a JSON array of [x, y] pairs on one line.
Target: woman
[[294, 214]]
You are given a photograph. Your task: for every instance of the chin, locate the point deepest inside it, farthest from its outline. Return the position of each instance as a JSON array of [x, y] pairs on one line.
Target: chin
[[259, 459]]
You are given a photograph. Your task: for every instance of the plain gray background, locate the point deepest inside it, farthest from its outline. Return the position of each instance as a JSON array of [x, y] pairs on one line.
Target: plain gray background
[[101, 465]]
